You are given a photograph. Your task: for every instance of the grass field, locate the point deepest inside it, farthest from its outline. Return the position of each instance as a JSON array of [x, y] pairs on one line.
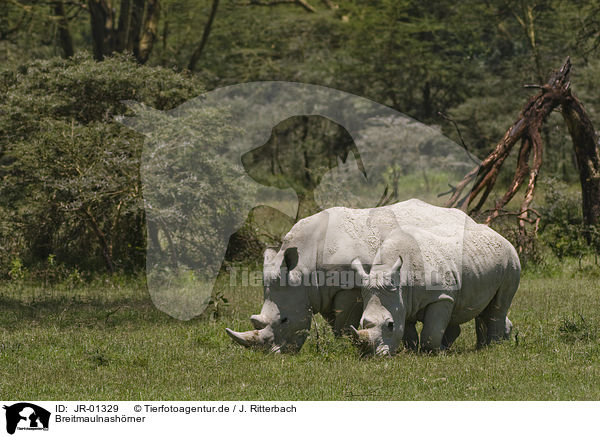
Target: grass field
[[105, 340]]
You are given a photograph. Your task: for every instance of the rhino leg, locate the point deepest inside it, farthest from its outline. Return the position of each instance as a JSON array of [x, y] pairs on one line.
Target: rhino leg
[[411, 337], [493, 325], [481, 331], [347, 311], [436, 319], [492, 328], [451, 334]]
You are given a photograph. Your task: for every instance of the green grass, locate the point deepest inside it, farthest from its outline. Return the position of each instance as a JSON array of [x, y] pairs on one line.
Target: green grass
[[105, 340]]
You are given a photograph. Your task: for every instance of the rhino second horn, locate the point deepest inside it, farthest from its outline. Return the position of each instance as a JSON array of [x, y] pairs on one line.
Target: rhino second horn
[[358, 267], [257, 321], [248, 338], [361, 335]]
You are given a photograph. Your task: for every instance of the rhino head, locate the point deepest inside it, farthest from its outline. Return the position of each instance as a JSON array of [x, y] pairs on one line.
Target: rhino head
[[284, 321], [382, 324]]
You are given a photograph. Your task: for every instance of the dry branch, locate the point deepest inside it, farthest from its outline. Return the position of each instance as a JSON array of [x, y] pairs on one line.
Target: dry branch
[[526, 129], [330, 4]]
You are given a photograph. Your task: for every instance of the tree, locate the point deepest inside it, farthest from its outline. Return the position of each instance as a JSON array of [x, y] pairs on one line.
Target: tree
[[70, 172], [527, 127], [134, 30], [207, 27], [66, 41], [409, 51]]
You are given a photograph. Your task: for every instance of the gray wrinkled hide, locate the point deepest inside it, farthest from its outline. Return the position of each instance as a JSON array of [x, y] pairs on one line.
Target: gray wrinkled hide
[[480, 274], [329, 242]]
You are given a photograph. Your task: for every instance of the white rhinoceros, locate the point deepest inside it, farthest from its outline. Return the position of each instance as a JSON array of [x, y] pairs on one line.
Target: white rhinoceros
[[313, 270], [441, 279]]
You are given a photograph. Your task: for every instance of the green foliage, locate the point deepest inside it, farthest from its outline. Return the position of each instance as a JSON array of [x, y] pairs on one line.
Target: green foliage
[[217, 303], [407, 49], [249, 43], [193, 189], [297, 155], [70, 172], [468, 59], [562, 226], [17, 271]]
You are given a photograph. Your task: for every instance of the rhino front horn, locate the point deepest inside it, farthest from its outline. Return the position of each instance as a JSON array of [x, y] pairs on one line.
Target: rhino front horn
[[248, 338]]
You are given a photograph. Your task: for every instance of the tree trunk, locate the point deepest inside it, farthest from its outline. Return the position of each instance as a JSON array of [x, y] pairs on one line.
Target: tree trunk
[[98, 20], [135, 26], [150, 30], [106, 246], [585, 144], [136, 31], [207, 28], [165, 38], [123, 29], [66, 42]]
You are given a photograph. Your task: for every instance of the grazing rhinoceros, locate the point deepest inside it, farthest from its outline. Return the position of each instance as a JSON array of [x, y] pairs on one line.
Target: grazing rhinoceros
[[480, 274], [312, 271]]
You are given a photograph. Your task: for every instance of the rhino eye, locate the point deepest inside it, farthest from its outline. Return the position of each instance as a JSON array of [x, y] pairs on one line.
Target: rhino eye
[[283, 320], [390, 325]]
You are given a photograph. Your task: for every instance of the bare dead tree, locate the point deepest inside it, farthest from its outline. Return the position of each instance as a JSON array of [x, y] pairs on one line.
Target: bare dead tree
[[526, 129]]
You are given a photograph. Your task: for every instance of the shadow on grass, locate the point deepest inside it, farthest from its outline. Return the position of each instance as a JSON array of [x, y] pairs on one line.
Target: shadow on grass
[[63, 311]]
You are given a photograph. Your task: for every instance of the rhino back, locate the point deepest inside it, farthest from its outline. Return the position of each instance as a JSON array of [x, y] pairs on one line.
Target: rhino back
[[465, 265], [359, 233], [332, 238]]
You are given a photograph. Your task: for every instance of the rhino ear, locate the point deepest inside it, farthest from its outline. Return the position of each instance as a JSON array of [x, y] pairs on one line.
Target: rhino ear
[[395, 271], [377, 259], [290, 258], [397, 265]]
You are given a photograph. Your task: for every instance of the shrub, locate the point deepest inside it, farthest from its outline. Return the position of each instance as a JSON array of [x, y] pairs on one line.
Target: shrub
[[562, 228], [69, 171]]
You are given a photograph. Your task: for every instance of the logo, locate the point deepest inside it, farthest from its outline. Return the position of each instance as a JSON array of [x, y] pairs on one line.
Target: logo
[[210, 164], [26, 416]]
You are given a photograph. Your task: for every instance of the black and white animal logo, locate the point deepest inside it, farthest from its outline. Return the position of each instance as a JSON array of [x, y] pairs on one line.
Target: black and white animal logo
[[26, 416]]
